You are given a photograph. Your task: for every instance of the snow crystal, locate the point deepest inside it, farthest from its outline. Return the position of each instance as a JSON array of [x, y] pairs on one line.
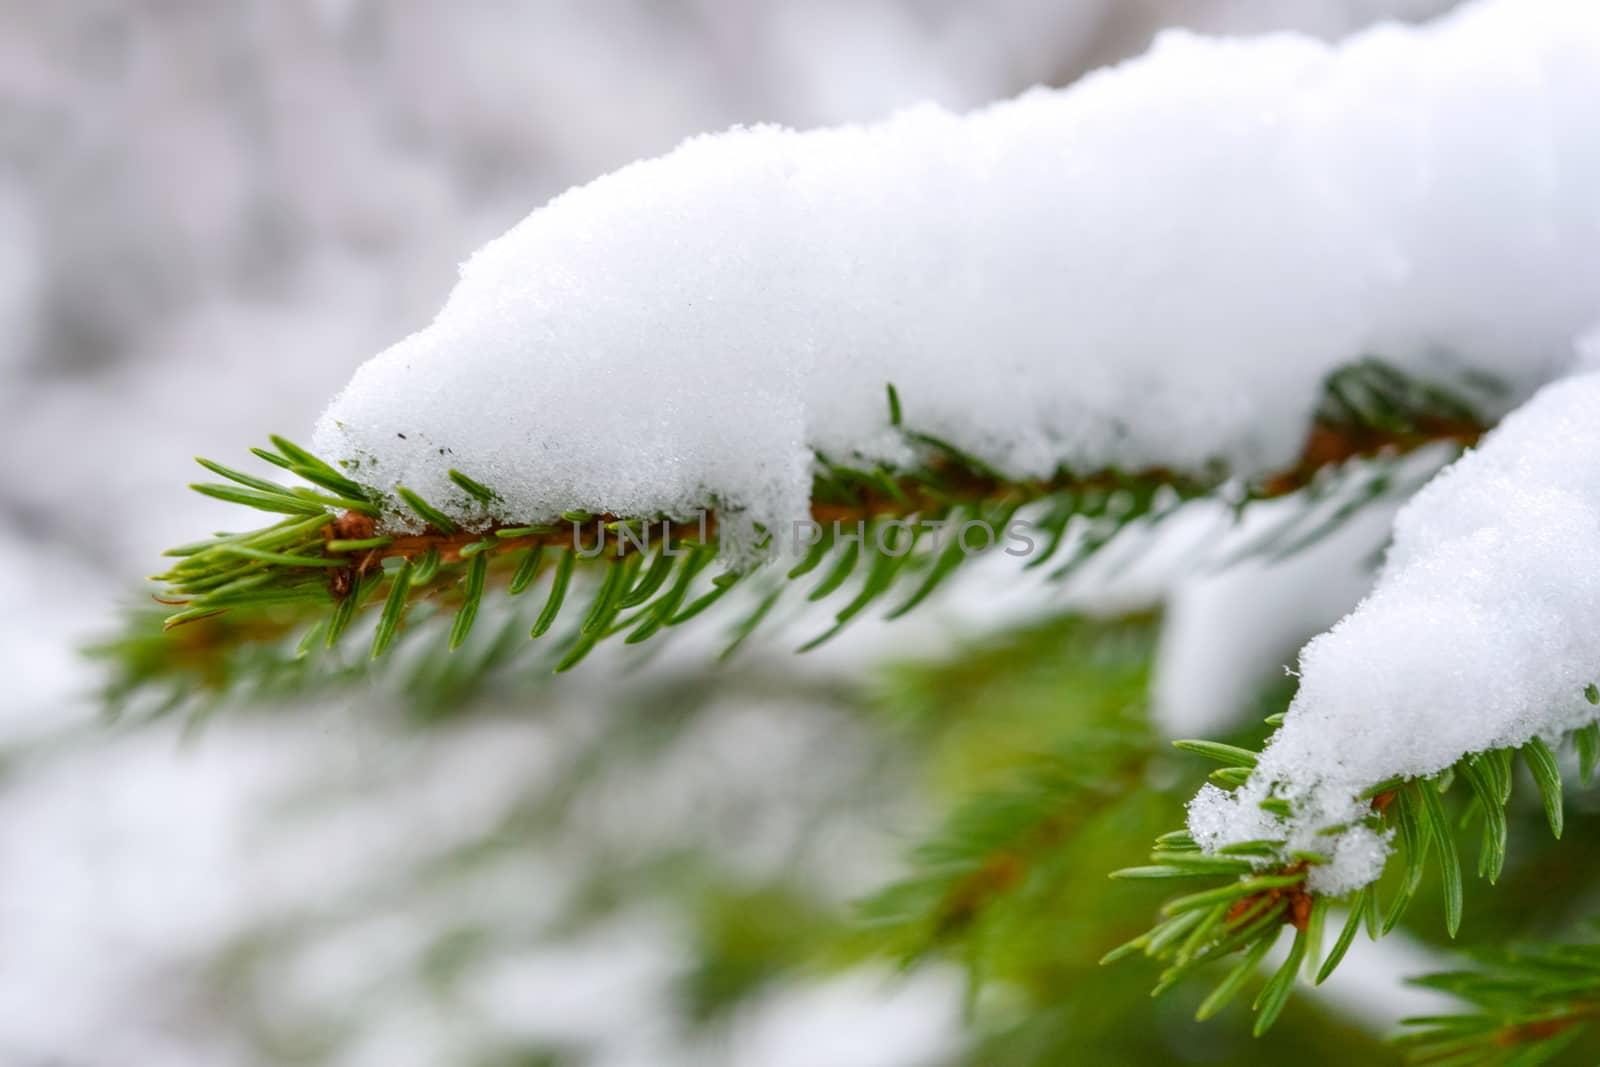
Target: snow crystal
[[1154, 268], [1479, 634]]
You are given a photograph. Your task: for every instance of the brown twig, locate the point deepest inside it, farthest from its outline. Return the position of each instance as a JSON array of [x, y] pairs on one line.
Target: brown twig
[[1328, 445]]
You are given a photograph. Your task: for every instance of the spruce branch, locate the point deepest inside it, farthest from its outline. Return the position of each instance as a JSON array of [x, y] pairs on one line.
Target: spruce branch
[[991, 845], [343, 552], [1042, 795], [1527, 1005], [1250, 894]]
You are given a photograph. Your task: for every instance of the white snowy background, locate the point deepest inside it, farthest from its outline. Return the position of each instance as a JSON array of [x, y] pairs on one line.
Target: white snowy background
[[210, 214]]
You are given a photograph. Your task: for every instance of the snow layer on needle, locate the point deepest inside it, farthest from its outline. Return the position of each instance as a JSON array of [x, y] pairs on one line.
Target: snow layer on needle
[[1154, 268], [1478, 635]]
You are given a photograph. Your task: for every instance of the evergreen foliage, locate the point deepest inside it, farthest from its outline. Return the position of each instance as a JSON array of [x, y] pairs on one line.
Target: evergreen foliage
[[1246, 911], [881, 537], [1528, 1006], [1045, 792]]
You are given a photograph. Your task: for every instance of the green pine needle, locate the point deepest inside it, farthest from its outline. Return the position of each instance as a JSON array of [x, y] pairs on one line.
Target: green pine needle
[[557, 594], [477, 571]]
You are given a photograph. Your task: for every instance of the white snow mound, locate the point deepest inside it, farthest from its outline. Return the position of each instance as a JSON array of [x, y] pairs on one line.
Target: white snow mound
[[1479, 634], [1154, 268]]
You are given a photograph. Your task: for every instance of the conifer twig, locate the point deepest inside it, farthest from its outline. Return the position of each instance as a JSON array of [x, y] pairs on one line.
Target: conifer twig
[[1263, 894], [332, 559]]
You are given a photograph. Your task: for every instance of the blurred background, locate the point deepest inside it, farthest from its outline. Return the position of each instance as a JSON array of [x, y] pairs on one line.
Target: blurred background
[[210, 213]]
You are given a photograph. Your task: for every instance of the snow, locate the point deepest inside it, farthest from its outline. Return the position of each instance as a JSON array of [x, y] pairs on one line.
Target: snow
[[1478, 635], [1154, 268], [250, 194]]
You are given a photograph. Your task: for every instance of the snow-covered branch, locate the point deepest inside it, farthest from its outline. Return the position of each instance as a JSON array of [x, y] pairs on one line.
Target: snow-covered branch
[[1155, 268], [1478, 636]]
